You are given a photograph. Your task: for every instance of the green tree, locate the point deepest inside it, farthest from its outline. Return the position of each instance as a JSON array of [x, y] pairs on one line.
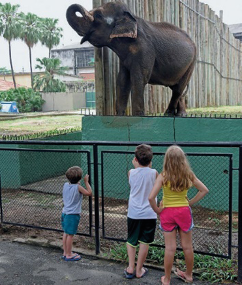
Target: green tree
[[10, 27], [47, 82], [50, 34], [30, 34], [4, 70]]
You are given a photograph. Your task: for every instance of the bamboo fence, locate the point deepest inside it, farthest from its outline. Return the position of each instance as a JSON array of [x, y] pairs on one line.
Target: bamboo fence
[[217, 77]]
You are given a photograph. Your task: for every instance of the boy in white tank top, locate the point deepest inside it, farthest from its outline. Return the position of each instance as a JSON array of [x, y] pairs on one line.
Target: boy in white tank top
[[141, 217]]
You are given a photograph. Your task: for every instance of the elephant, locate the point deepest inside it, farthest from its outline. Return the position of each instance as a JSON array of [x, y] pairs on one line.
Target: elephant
[[157, 53]]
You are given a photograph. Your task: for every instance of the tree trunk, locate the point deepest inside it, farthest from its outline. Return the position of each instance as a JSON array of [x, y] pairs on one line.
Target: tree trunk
[[11, 64], [49, 52], [30, 63]]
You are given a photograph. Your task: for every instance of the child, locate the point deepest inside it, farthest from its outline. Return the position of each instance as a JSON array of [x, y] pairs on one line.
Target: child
[[141, 218], [72, 197], [174, 209]]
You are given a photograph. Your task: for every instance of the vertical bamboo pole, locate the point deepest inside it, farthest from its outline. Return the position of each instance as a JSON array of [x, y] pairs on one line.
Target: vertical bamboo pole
[[99, 75]]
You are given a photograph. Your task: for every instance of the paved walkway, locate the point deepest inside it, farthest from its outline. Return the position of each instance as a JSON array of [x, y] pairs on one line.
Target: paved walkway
[[24, 264]]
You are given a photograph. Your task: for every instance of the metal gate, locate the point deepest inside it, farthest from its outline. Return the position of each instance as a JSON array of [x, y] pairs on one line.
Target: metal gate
[[212, 233], [31, 187]]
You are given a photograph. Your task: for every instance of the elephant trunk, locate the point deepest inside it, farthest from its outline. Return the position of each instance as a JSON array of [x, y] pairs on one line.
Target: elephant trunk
[[80, 24]]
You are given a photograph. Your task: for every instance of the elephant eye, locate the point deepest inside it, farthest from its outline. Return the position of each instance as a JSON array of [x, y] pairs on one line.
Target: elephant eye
[[98, 16]]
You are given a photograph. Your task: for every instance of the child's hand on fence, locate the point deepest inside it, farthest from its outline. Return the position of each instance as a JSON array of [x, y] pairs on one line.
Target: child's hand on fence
[[86, 178]]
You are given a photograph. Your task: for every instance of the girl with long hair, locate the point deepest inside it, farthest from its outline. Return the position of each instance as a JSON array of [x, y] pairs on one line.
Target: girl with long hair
[[175, 209]]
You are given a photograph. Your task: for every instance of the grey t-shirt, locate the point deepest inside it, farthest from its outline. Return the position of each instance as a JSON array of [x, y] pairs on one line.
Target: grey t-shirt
[[72, 199]]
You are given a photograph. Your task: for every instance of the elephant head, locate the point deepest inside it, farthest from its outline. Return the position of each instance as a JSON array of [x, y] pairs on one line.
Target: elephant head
[[101, 25]]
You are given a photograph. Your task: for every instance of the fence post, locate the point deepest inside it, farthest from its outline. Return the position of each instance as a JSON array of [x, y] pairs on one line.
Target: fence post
[[1, 207], [240, 219], [96, 193]]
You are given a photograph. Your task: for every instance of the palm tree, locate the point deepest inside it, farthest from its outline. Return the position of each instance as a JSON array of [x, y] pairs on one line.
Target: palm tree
[[30, 34], [10, 27], [47, 82], [51, 34]]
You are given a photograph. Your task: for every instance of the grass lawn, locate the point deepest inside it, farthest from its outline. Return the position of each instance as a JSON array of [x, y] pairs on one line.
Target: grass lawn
[[43, 124], [54, 123], [223, 110]]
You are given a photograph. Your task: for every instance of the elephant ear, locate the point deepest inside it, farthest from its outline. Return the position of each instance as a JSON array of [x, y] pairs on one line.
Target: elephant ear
[[125, 27]]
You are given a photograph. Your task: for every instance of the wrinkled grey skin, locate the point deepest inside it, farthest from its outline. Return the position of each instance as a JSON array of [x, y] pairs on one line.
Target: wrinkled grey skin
[[149, 52]]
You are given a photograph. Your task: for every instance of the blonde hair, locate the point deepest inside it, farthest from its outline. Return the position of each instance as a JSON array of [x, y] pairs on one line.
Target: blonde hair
[[176, 169]]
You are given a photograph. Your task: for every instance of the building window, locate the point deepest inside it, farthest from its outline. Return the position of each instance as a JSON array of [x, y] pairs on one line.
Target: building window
[[84, 58]]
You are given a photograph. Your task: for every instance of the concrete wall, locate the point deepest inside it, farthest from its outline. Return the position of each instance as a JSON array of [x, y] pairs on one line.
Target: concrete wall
[[23, 79], [62, 101], [66, 57]]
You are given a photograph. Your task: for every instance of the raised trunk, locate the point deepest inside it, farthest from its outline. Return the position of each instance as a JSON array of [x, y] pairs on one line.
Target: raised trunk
[[80, 24]]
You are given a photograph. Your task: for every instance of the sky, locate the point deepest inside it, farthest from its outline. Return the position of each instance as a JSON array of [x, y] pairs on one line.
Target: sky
[[232, 14]]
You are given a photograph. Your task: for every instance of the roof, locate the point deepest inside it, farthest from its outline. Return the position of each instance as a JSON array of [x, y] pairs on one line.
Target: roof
[[236, 28], [6, 85], [75, 46]]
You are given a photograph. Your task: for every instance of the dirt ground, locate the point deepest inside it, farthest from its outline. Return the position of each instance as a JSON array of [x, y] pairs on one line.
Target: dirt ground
[[36, 209]]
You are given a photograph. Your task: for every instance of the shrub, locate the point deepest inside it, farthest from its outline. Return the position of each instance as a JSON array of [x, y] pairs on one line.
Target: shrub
[[27, 99]]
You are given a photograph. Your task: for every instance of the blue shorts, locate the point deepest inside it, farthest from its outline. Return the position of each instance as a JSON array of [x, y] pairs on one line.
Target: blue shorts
[[70, 223]]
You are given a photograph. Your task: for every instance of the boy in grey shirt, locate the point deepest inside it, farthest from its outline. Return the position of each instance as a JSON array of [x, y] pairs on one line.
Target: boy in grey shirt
[[72, 198]]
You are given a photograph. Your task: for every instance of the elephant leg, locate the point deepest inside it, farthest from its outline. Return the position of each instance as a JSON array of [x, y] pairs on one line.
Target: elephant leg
[[181, 107], [137, 98], [122, 90], [172, 107]]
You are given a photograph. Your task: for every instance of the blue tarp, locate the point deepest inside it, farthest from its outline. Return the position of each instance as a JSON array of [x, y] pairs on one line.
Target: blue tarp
[[9, 107]]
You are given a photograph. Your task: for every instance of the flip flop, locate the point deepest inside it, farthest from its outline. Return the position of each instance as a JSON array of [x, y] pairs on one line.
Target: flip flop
[[73, 258], [182, 276], [129, 275], [143, 275]]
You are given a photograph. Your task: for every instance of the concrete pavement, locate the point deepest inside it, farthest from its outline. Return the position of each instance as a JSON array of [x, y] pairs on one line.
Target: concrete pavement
[[24, 264]]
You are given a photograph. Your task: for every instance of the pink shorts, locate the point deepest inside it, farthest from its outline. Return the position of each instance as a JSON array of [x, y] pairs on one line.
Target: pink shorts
[[176, 217]]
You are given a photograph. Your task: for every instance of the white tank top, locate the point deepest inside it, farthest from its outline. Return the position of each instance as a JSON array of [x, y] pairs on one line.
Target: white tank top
[[141, 182]]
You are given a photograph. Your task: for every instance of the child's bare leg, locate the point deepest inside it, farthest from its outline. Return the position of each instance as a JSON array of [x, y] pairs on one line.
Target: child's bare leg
[[170, 249], [143, 251], [186, 242], [69, 242], [64, 243], [131, 253]]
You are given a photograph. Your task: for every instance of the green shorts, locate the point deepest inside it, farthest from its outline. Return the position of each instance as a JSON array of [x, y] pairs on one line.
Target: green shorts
[[70, 223], [142, 231]]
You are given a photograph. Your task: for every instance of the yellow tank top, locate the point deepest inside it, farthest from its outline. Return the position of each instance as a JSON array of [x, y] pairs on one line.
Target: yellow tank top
[[173, 198]]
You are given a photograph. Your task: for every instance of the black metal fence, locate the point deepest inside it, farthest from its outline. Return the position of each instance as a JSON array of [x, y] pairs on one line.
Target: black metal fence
[[32, 177]]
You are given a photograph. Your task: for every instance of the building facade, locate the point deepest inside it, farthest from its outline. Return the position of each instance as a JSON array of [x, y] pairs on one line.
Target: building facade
[[78, 58]]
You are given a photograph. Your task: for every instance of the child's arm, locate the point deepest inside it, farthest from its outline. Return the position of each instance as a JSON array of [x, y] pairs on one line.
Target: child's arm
[[88, 191], [153, 194], [202, 191]]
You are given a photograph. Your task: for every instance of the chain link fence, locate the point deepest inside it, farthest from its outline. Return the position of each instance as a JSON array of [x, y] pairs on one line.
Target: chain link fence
[[31, 187], [212, 232], [32, 180]]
